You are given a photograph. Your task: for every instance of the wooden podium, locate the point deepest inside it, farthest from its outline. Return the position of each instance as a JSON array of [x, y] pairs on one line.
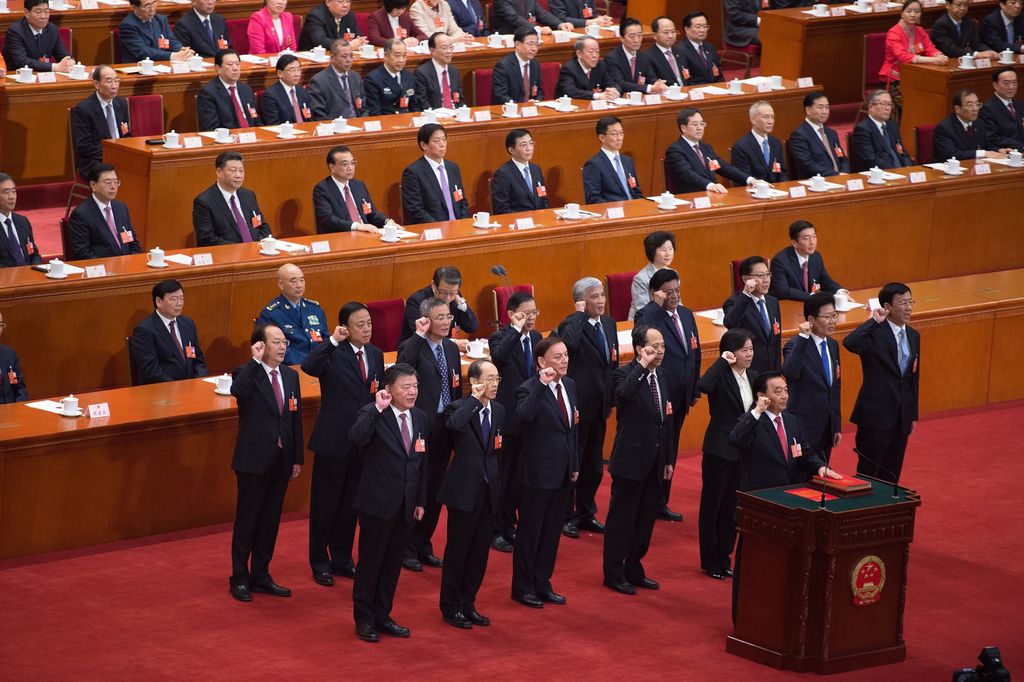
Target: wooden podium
[[823, 590]]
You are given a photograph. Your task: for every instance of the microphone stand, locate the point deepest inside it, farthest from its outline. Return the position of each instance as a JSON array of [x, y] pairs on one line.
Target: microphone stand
[[895, 478]]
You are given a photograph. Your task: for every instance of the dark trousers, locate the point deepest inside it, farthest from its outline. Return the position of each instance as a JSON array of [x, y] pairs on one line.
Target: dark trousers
[[465, 554], [822, 443], [581, 505], [628, 526], [881, 452], [541, 513], [678, 417], [716, 522], [257, 519], [381, 542], [332, 518], [439, 453], [511, 446]]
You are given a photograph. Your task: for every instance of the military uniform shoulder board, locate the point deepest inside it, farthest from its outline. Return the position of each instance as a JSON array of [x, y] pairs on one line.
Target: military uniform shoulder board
[[316, 303], [273, 305]]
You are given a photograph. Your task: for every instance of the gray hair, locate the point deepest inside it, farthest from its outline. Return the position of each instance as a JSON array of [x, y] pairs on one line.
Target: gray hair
[[4, 177], [580, 42], [580, 288], [757, 105], [429, 304], [875, 94]]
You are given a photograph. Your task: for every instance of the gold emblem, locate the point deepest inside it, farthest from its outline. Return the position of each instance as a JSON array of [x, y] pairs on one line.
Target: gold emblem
[[867, 580]]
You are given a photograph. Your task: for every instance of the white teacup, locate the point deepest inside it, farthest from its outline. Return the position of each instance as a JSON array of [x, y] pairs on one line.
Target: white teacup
[[430, 115], [340, 124], [967, 61], [842, 301], [775, 82], [367, 51], [817, 183], [269, 245], [56, 268], [390, 232], [482, 218], [1006, 56], [594, 31], [952, 166], [155, 257], [762, 190], [78, 70], [720, 316], [195, 63], [1016, 158], [666, 200], [510, 109], [876, 176], [564, 103], [3, 5], [463, 114], [25, 75], [223, 134], [494, 40], [572, 210], [735, 86], [318, 51], [287, 129], [863, 4], [821, 10], [476, 347], [636, 97], [674, 91], [146, 66], [69, 405], [224, 383]]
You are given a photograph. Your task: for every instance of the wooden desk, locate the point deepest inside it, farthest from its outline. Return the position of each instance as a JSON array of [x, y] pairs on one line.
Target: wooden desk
[[70, 334], [160, 462], [35, 145], [928, 93], [148, 172], [831, 49]]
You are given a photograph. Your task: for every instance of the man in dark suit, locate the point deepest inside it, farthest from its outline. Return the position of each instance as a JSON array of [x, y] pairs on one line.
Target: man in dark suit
[[226, 212], [103, 116], [100, 226], [18, 246], [586, 76], [350, 370], [682, 360], [963, 134], [799, 270], [203, 30], [268, 454], [692, 163], [338, 89], [516, 77], [508, 16], [340, 202], [886, 409], [757, 311], [759, 154], [1003, 27], [547, 405], [518, 184], [642, 458], [512, 353], [876, 139], [592, 341], [144, 34], [469, 15], [393, 434], [330, 21], [815, 147], [628, 67], [446, 284], [702, 62], [389, 87], [286, 100], [226, 102], [34, 42], [437, 82], [956, 34], [432, 189], [742, 22], [435, 357], [579, 13], [665, 58], [472, 492], [811, 367], [1003, 113], [165, 344], [609, 175], [727, 384], [12, 381]]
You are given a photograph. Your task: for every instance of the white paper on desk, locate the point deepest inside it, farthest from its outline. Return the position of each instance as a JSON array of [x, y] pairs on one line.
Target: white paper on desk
[[179, 258], [47, 406], [828, 185], [625, 337], [886, 175], [114, 3], [292, 247], [69, 269], [582, 215], [626, 102], [162, 68], [295, 131], [713, 314], [714, 90], [313, 58], [1001, 162], [679, 202], [858, 10], [254, 59], [814, 13]]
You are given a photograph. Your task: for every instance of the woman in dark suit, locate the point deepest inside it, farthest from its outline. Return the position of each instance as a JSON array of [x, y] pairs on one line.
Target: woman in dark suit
[[381, 24]]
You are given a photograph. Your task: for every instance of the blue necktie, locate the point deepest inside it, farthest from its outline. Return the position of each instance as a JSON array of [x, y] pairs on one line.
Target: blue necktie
[[622, 174], [764, 318], [1009, 34], [528, 355], [888, 145], [446, 385], [904, 352], [825, 363], [602, 339], [529, 180], [209, 29], [767, 155]]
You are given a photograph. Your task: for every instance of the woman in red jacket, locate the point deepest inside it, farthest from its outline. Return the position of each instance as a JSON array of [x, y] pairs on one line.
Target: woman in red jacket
[[907, 42], [272, 29]]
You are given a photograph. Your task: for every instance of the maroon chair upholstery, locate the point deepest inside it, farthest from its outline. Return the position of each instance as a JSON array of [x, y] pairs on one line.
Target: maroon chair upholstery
[[258, 94], [65, 238], [238, 36], [65, 37], [115, 46], [619, 288], [146, 113], [743, 57], [387, 316], [482, 80], [500, 296], [549, 78], [670, 185], [874, 57], [923, 135], [734, 269], [362, 23]]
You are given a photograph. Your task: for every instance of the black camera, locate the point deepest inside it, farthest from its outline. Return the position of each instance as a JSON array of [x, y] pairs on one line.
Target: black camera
[[990, 670]]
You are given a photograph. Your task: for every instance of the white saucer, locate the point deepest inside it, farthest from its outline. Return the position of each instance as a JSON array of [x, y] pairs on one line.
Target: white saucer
[[811, 189], [512, 116], [230, 140], [780, 87], [154, 265], [967, 68], [680, 98], [64, 276], [486, 227], [177, 146], [390, 241], [880, 182], [737, 93], [79, 413], [663, 208], [286, 137], [844, 310], [476, 357], [220, 392], [264, 252], [79, 78], [960, 172]]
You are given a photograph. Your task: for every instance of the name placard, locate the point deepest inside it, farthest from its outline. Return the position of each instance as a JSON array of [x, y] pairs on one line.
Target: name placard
[[320, 247], [372, 126], [615, 213], [432, 235], [202, 259], [797, 192], [524, 223], [918, 176], [95, 271], [99, 410], [702, 202], [481, 116], [855, 184]]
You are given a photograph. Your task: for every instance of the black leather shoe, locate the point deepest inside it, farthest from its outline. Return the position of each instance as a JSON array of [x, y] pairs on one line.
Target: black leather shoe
[[412, 565], [645, 583], [570, 530], [323, 578], [501, 544], [432, 561], [458, 620], [367, 633], [268, 586], [393, 629], [591, 526], [551, 598], [530, 600], [621, 588], [667, 514], [477, 619], [717, 575], [240, 592], [344, 571]]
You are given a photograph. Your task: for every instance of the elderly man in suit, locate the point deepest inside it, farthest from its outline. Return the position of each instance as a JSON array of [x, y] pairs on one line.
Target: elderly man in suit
[[226, 102], [203, 30], [1003, 28], [12, 382], [338, 89], [702, 62], [390, 89], [332, 20], [516, 77], [34, 42], [165, 344], [609, 175], [511, 15], [286, 100], [18, 246], [437, 81], [754, 309], [628, 67], [666, 59], [1003, 113], [226, 212], [268, 454], [956, 34], [350, 370], [964, 134], [445, 284], [518, 184], [340, 202], [432, 189], [100, 226], [876, 139], [144, 34], [799, 270], [586, 76], [579, 13], [814, 146], [759, 153], [692, 164], [103, 116]]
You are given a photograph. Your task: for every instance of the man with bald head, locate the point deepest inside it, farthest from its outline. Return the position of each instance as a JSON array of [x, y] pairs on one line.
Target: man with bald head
[[302, 320]]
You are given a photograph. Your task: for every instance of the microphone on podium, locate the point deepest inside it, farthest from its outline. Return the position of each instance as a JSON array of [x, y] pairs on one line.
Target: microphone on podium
[[894, 477]]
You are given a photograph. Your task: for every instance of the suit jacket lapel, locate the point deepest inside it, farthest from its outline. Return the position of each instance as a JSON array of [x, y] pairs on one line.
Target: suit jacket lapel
[[104, 228], [396, 433]]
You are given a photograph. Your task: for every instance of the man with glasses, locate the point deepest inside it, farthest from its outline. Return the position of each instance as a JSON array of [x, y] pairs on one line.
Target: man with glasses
[[286, 100], [798, 271], [100, 226], [165, 345], [35, 42], [1003, 113], [610, 175], [18, 246], [692, 163], [956, 34], [103, 116], [814, 146], [876, 139], [343, 204], [144, 34], [963, 134], [445, 285], [518, 184], [667, 59], [338, 89], [886, 409], [302, 320], [754, 309], [702, 62], [12, 381]]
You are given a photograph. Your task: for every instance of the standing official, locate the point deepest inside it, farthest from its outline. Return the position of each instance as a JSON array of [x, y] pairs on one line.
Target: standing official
[[12, 381], [302, 320], [518, 184], [446, 284], [757, 311], [165, 345], [18, 246]]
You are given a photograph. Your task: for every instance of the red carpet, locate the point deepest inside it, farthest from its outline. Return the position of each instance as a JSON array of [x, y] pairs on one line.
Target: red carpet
[[161, 610]]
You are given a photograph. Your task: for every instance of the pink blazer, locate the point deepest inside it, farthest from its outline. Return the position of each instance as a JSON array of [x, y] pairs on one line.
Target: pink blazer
[[897, 50], [263, 37]]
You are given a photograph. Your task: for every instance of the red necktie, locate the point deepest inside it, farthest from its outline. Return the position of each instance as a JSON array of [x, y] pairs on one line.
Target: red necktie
[[276, 386], [1013, 112], [350, 204], [362, 367], [295, 107], [406, 435], [243, 122], [177, 342], [561, 405], [526, 82], [109, 216], [781, 430], [806, 287], [446, 91], [632, 66]]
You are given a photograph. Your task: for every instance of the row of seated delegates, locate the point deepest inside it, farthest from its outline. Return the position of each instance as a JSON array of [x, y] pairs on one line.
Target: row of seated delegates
[[34, 42], [144, 34], [100, 226], [964, 134]]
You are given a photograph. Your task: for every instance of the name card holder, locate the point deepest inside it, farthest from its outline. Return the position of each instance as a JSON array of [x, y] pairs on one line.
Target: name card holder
[[524, 223], [95, 271], [797, 192], [599, 105], [615, 213], [99, 410], [652, 99], [528, 112], [982, 169], [805, 82], [320, 247], [202, 259], [855, 184], [702, 202], [983, 63], [192, 142], [47, 77], [479, 116], [247, 138], [432, 235], [918, 176], [697, 93]]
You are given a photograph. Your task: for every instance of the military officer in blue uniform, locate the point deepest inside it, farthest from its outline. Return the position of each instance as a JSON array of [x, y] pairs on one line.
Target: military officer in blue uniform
[[302, 320]]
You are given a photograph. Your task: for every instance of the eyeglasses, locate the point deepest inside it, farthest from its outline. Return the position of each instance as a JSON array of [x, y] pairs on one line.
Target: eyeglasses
[[670, 292], [763, 275], [443, 318], [531, 313], [280, 342], [830, 316], [346, 164], [698, 124], [109, 183], [906, 304]]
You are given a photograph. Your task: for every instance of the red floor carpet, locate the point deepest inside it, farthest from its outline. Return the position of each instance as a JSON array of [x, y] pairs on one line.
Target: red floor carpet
[[161, 610]]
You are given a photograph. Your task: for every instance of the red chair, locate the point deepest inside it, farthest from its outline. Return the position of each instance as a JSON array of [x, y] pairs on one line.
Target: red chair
[[500, 296], [238, 36], [362, 23], [874, 57], [670, 185], [146, 113], [65, 239], [742, 57], [79, 187], [549, 78], [387, 317], [482, 80], [923, 137], [619, 288], [115, 46], [65, 37]]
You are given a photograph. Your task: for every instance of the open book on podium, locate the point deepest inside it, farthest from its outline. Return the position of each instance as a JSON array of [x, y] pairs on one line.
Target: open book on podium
[[847, 486]]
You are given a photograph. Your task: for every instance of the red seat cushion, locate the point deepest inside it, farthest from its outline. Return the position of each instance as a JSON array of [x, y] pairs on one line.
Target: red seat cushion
[[619, 288], [146, 113], [482, 79], [501, 296], [362, 23], [238, 35], [387, 317], [925, 140]]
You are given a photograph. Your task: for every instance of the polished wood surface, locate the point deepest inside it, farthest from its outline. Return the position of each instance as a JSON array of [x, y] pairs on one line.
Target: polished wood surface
[[928, 93], [831, 49], [160, 462], [864, 242], [147, 172]]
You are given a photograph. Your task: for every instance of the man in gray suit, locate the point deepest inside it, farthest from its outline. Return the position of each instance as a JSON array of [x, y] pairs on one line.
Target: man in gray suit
[[338, 90]]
